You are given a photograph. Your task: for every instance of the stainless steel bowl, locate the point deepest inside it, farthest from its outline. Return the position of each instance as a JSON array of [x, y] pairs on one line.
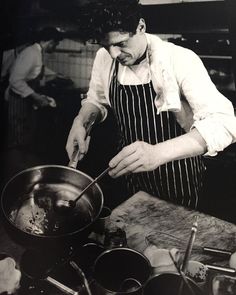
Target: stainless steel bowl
[[27, 204]]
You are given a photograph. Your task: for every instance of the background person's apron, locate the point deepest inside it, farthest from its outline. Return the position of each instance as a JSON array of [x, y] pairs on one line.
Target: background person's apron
[[178, 181], [22, 117]]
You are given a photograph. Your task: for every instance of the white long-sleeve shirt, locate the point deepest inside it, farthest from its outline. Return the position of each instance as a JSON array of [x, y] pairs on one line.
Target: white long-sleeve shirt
[[182, 85], [27, 67]]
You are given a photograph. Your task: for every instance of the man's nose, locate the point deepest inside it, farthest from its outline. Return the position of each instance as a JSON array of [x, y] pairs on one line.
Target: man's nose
[[114, 51]]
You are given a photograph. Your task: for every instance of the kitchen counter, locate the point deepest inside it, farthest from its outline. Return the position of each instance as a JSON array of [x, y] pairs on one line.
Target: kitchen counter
[[149, 220]]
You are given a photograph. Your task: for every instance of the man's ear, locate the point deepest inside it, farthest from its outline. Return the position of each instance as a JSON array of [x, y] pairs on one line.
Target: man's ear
[[141, 28]]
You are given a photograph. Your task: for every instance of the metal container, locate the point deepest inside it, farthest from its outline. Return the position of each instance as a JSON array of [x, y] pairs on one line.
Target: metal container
[[121, 271], [52, 181], [169, 284]]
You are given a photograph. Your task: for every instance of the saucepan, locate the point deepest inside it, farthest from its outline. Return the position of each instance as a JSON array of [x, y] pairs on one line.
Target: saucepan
[[121, 271], [27, 205], [169, 283]]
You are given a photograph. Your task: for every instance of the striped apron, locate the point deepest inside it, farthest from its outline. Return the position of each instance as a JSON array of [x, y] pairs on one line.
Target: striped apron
[[22, 118], [179, 181]]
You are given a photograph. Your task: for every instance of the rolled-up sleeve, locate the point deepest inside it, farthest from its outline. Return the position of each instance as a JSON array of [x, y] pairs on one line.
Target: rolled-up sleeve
[[96, 93], [213, 113]]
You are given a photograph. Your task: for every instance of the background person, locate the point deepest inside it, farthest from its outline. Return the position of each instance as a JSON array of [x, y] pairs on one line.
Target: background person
[[24, 98]]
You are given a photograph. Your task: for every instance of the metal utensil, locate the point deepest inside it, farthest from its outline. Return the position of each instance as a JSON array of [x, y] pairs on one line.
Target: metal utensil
[[190, 245], [229, 270], [216, 251], [61, 286], [188, 250], [65, 206], [81, 274], [181, 273], [74, 159]]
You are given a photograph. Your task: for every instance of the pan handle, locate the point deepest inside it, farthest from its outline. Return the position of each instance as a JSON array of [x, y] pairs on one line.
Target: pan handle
[[74, 159], [61, 287], [75, 156]]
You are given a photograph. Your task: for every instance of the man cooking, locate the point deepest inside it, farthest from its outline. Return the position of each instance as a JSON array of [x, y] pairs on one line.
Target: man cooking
[[168, 110]]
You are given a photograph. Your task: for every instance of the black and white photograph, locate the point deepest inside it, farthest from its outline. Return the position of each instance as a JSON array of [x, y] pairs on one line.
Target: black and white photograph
[[118, 147]]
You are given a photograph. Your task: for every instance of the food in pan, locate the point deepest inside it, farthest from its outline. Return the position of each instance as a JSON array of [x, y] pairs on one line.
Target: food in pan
[[36, 214]]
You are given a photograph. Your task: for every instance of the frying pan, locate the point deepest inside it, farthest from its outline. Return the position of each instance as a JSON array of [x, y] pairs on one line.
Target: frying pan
[[38, 225]]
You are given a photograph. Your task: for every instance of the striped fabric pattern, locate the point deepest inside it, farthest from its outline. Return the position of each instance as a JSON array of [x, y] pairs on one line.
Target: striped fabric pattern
[[22, 117], [178, 181]]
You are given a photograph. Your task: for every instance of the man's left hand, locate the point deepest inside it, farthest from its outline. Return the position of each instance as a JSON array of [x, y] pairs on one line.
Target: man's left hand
[[136, 157]]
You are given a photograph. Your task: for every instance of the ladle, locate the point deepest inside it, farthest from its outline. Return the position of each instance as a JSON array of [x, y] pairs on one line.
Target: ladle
[[65, 206]]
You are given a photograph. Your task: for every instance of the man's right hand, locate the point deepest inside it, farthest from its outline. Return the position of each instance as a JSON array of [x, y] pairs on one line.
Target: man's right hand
[[77, 139]]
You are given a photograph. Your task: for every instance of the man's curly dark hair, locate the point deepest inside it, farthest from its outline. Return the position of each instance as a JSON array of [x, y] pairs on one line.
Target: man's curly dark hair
[[113, 15]]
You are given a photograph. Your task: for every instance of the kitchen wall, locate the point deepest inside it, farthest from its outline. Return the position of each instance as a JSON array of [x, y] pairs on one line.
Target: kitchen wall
[[73, 59]]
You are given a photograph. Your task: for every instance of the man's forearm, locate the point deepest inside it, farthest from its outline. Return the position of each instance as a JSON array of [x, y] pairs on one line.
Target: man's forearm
[[188, 145], [88, 115]]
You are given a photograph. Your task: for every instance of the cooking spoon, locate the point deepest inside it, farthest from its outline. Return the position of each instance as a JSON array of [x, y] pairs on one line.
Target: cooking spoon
[[65, 206], [182, 274]]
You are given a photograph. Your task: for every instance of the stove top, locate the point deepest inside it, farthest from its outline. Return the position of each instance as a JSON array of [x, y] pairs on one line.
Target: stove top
[[70, 267]]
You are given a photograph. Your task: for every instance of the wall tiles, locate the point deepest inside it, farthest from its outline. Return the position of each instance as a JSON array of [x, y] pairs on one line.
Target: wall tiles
[[73, 59]]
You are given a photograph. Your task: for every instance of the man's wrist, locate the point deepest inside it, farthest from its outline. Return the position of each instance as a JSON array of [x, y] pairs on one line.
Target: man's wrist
[[161, 155], [88, 116], [87, 122]]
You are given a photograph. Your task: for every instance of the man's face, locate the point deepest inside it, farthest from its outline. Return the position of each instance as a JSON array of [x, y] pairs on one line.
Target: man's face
[[125, 47]]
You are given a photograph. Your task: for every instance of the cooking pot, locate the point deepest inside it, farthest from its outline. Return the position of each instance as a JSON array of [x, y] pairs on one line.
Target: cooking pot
[[36, 223], [168, 283], [121, 271]]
